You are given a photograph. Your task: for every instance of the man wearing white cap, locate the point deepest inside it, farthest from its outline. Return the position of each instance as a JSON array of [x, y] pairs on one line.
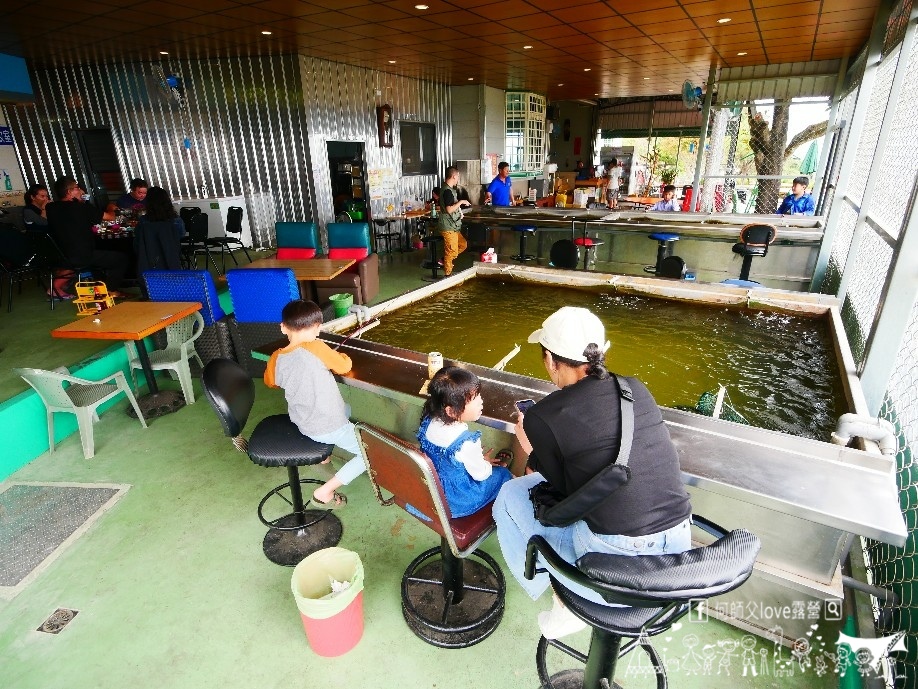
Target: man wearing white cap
[[571, 435]]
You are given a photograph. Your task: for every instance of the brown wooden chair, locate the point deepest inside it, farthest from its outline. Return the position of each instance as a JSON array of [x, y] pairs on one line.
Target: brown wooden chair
[[448, 599]]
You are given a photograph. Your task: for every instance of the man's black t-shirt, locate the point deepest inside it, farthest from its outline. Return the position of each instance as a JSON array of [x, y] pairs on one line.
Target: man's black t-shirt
[[70, 224], [576, 431]]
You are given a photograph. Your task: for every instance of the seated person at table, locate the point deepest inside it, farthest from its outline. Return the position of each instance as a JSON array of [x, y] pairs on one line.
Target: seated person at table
[[500, 190], [157, 237], [573, 434], [669, 203], [304, 370], [798, 202], [34, 216], [470, 478], [70, 223], [584, 171], [136, 198]]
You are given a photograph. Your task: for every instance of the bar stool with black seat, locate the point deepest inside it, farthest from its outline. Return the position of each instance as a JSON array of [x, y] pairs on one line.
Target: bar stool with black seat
[[383, 232], [453, 594], [432, 263], [665, 242], [755, 238], [275, 442], [656, 590], [524, 232]]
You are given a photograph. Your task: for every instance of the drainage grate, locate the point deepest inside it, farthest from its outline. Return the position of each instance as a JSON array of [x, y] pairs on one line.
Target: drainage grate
[[59, 619]]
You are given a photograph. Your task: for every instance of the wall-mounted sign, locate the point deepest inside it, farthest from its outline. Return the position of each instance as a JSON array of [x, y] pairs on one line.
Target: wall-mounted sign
[[6, 136]]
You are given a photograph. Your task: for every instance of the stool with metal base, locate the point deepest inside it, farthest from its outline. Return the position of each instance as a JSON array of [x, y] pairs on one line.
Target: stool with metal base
[[453, 594], [755, 239], [589, 244], [524, 231], [385, 233], [275, 442], [657, 589], [665, 241], [432, 261]]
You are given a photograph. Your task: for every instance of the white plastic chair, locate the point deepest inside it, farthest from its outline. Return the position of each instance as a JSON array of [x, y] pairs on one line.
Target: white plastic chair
[[65, 393], [180, 337]]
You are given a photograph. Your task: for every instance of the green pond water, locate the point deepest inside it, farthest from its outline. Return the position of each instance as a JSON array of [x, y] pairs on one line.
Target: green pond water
[[779, 370]]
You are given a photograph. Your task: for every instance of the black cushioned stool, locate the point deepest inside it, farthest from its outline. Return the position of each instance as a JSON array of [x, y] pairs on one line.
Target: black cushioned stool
[[383, 232], [453, 594], [524, 231], [275, 442], [657, 590], [432, 261], [665, 241], [754, 241]]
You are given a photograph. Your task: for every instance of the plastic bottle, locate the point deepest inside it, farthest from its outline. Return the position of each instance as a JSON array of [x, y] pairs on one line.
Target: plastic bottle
[[7, 182]]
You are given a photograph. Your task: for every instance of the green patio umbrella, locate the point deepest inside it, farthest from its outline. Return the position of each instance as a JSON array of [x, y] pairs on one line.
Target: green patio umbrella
[[810, 160]]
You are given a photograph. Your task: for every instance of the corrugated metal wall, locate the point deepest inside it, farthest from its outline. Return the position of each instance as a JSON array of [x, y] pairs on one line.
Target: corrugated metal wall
[[639, 116], [243, 120], [782, 81], [246, 120], [341, 105]]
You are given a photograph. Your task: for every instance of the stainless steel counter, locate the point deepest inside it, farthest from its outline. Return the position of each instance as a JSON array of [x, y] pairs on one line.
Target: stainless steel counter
[[805, 499]]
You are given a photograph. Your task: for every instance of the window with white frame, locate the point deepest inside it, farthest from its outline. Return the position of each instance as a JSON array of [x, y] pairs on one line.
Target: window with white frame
[[525, 131]]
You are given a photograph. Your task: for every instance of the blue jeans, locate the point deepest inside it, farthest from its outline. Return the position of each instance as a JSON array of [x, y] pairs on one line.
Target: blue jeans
[[345, 438], [516, 524]]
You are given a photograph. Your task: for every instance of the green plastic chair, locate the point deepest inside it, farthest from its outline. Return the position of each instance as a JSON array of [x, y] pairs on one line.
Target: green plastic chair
[[176, 356], [65, 393]]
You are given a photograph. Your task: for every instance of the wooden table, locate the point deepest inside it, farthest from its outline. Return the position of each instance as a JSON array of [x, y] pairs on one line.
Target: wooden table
[[306, 271], [135, 320], [646, 201], [406, 225]]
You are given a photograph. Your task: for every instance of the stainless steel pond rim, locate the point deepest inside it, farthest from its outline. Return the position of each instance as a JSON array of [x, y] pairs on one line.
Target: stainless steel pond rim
[[805, 499]]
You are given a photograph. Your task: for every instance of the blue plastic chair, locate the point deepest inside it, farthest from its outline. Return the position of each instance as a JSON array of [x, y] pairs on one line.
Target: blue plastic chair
[[216, 340], [259, 296]]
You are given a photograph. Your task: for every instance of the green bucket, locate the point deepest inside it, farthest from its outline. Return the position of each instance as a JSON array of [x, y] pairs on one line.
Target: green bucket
[[341, 302]]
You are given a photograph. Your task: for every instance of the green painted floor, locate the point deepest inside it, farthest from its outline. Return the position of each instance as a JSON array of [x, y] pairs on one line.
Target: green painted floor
[[173, 590]]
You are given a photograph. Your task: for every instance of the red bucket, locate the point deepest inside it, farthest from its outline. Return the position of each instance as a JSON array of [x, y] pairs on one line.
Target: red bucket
[[338, 634], [328, 588]]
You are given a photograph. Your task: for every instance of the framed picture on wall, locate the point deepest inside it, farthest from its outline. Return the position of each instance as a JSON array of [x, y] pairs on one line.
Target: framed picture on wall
[[384, 125]]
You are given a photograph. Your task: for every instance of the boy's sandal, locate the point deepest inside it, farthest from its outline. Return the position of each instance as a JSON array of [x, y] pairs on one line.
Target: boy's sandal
[[338, 501], [505, 457]]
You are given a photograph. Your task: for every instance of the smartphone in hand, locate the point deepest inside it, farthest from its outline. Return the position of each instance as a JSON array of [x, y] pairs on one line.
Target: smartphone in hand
[[522, 406]]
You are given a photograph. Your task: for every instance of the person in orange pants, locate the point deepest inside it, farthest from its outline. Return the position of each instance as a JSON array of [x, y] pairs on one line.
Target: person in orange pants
[[450, 221]]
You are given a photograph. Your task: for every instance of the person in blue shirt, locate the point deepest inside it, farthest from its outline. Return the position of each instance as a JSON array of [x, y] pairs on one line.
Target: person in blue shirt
[[500, 189], [798, 203], [668, 204]]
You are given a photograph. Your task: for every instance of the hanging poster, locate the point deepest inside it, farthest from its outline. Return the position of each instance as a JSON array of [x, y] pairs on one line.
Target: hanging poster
[[381, 182]]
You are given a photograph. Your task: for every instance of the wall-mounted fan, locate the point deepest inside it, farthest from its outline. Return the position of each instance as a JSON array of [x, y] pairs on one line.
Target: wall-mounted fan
[[170, 86], [692, 96]]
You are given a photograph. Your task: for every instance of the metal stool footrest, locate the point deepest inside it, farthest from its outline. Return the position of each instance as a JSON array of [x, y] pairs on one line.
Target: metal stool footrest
[[453, 617]]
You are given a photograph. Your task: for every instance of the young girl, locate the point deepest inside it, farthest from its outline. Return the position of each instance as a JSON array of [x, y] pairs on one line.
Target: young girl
[[470, 478]]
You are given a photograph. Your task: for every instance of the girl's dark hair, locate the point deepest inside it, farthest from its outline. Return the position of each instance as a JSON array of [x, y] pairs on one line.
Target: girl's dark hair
[[595, 363], [453, 387], [300, 314], [31, 191], [159, 205]]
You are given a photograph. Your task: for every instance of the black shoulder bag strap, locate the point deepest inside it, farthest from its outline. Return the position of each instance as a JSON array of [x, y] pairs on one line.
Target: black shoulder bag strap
[[612, 477]]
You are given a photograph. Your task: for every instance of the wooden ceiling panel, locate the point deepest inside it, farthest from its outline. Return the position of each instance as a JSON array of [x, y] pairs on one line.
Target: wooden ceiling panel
[[629, 6], [619, 40]]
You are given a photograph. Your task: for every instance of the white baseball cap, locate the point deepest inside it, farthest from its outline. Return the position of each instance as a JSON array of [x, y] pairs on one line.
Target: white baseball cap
[[568, 331]]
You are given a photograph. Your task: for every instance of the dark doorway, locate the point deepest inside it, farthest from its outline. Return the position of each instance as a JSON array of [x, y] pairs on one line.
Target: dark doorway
[[100, 162], [348, 170]]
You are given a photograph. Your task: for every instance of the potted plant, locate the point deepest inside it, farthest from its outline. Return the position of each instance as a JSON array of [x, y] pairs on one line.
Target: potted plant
[[668, 174]]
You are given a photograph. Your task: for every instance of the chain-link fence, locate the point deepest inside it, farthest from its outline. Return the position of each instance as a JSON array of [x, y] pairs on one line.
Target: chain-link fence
[[869, 233], [755, 151]]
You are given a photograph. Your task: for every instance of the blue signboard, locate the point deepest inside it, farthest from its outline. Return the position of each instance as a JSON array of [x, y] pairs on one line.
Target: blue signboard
[[6, 136]]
